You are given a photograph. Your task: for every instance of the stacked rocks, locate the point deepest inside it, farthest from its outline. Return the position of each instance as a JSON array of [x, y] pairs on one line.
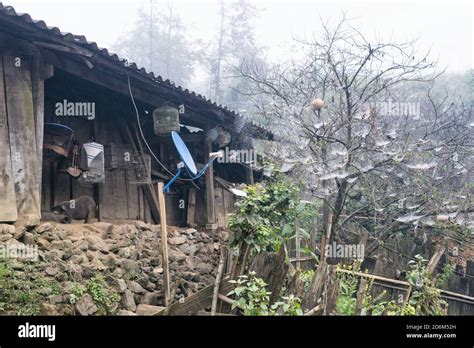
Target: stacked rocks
[[127, 256]]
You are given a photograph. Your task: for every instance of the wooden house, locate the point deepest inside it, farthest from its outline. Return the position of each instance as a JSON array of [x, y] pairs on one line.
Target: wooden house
[[43, 71]]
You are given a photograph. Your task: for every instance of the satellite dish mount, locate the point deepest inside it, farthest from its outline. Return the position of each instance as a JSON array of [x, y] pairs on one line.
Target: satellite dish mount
[[188, 162]]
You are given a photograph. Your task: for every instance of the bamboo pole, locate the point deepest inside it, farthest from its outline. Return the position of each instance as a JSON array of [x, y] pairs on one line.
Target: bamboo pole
[[406, 284], [297, 244], [164, 245], [220, 270]]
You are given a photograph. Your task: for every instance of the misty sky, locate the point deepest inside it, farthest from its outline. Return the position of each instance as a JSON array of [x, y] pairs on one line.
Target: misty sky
[[444, 27]]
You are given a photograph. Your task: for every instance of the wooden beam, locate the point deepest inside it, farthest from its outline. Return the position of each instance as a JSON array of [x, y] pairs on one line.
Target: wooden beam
[[434, 260], [220, 270], [272, 268], [376, 277], [406, 284], [249, 175], [227, 300], [65, 49], [297, 243], [326, 237], [318, 310], [8, 212], [39, 73], [206, 314], [143, 89], [164, 245], [191, 216], [199, 300], [360, 296], [210, 198], [22, 130]]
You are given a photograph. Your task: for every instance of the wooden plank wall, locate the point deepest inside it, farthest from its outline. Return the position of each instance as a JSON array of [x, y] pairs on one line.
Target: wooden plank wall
[[23, 168], [119, 200], [224, 205]]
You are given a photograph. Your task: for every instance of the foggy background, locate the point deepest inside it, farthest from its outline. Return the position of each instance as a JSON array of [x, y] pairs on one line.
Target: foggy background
[[444, 28]]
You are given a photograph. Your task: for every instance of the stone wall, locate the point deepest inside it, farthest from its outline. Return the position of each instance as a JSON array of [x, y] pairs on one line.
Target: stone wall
[[126, 256]]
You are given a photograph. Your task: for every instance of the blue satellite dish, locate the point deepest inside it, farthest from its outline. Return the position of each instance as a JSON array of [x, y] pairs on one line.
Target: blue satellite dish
[[188, 162], [184, 153]]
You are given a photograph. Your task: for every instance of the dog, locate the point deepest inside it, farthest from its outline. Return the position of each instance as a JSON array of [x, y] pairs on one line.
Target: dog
[[56, 217], [82, 208]]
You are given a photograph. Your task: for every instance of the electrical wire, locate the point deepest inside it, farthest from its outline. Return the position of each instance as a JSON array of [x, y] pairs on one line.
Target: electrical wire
[[141, 131], [148, 146], [143, 136]]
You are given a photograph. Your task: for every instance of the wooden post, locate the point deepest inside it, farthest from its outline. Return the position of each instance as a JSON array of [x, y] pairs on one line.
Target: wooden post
[[407, 296], [272, 268], [249, 175], [164, 245], [190, 220], [220, 270], [210, 199], [37, 88], [325, 240], [8, 210], [23, 146], [331, 290], [433, 263], [297, 244], [360, 296]]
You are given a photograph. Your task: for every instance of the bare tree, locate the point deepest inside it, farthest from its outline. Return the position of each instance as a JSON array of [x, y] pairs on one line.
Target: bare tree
[[160, 42], [234, 42], [372, 153]]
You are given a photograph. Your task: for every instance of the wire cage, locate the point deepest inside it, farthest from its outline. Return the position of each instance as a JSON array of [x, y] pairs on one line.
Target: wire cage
[[118, 156], [139, 173], [165, 120], [96, 161], [57, 141]]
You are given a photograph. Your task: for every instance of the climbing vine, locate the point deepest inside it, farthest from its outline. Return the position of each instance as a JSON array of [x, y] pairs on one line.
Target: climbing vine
[[265, 218]]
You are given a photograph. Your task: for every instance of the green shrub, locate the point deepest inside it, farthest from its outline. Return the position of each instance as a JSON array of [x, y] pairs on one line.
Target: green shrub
[[425, 297], [252, 298]]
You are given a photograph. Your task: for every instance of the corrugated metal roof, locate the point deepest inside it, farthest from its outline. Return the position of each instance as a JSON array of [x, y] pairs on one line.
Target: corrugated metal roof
[[80, 40]]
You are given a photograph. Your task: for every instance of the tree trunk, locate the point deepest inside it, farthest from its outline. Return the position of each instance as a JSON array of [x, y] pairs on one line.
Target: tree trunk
[[272, 268], [310, 300]]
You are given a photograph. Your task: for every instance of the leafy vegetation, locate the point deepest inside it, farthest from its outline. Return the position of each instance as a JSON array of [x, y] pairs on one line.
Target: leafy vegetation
[[307, 277], [346, 302], [23, 290], [252, 298], [425, 298], [265, 218], [104, 297], [448, 270]]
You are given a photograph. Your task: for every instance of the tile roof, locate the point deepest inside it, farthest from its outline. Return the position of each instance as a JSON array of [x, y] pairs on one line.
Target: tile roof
[[80, 40]]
